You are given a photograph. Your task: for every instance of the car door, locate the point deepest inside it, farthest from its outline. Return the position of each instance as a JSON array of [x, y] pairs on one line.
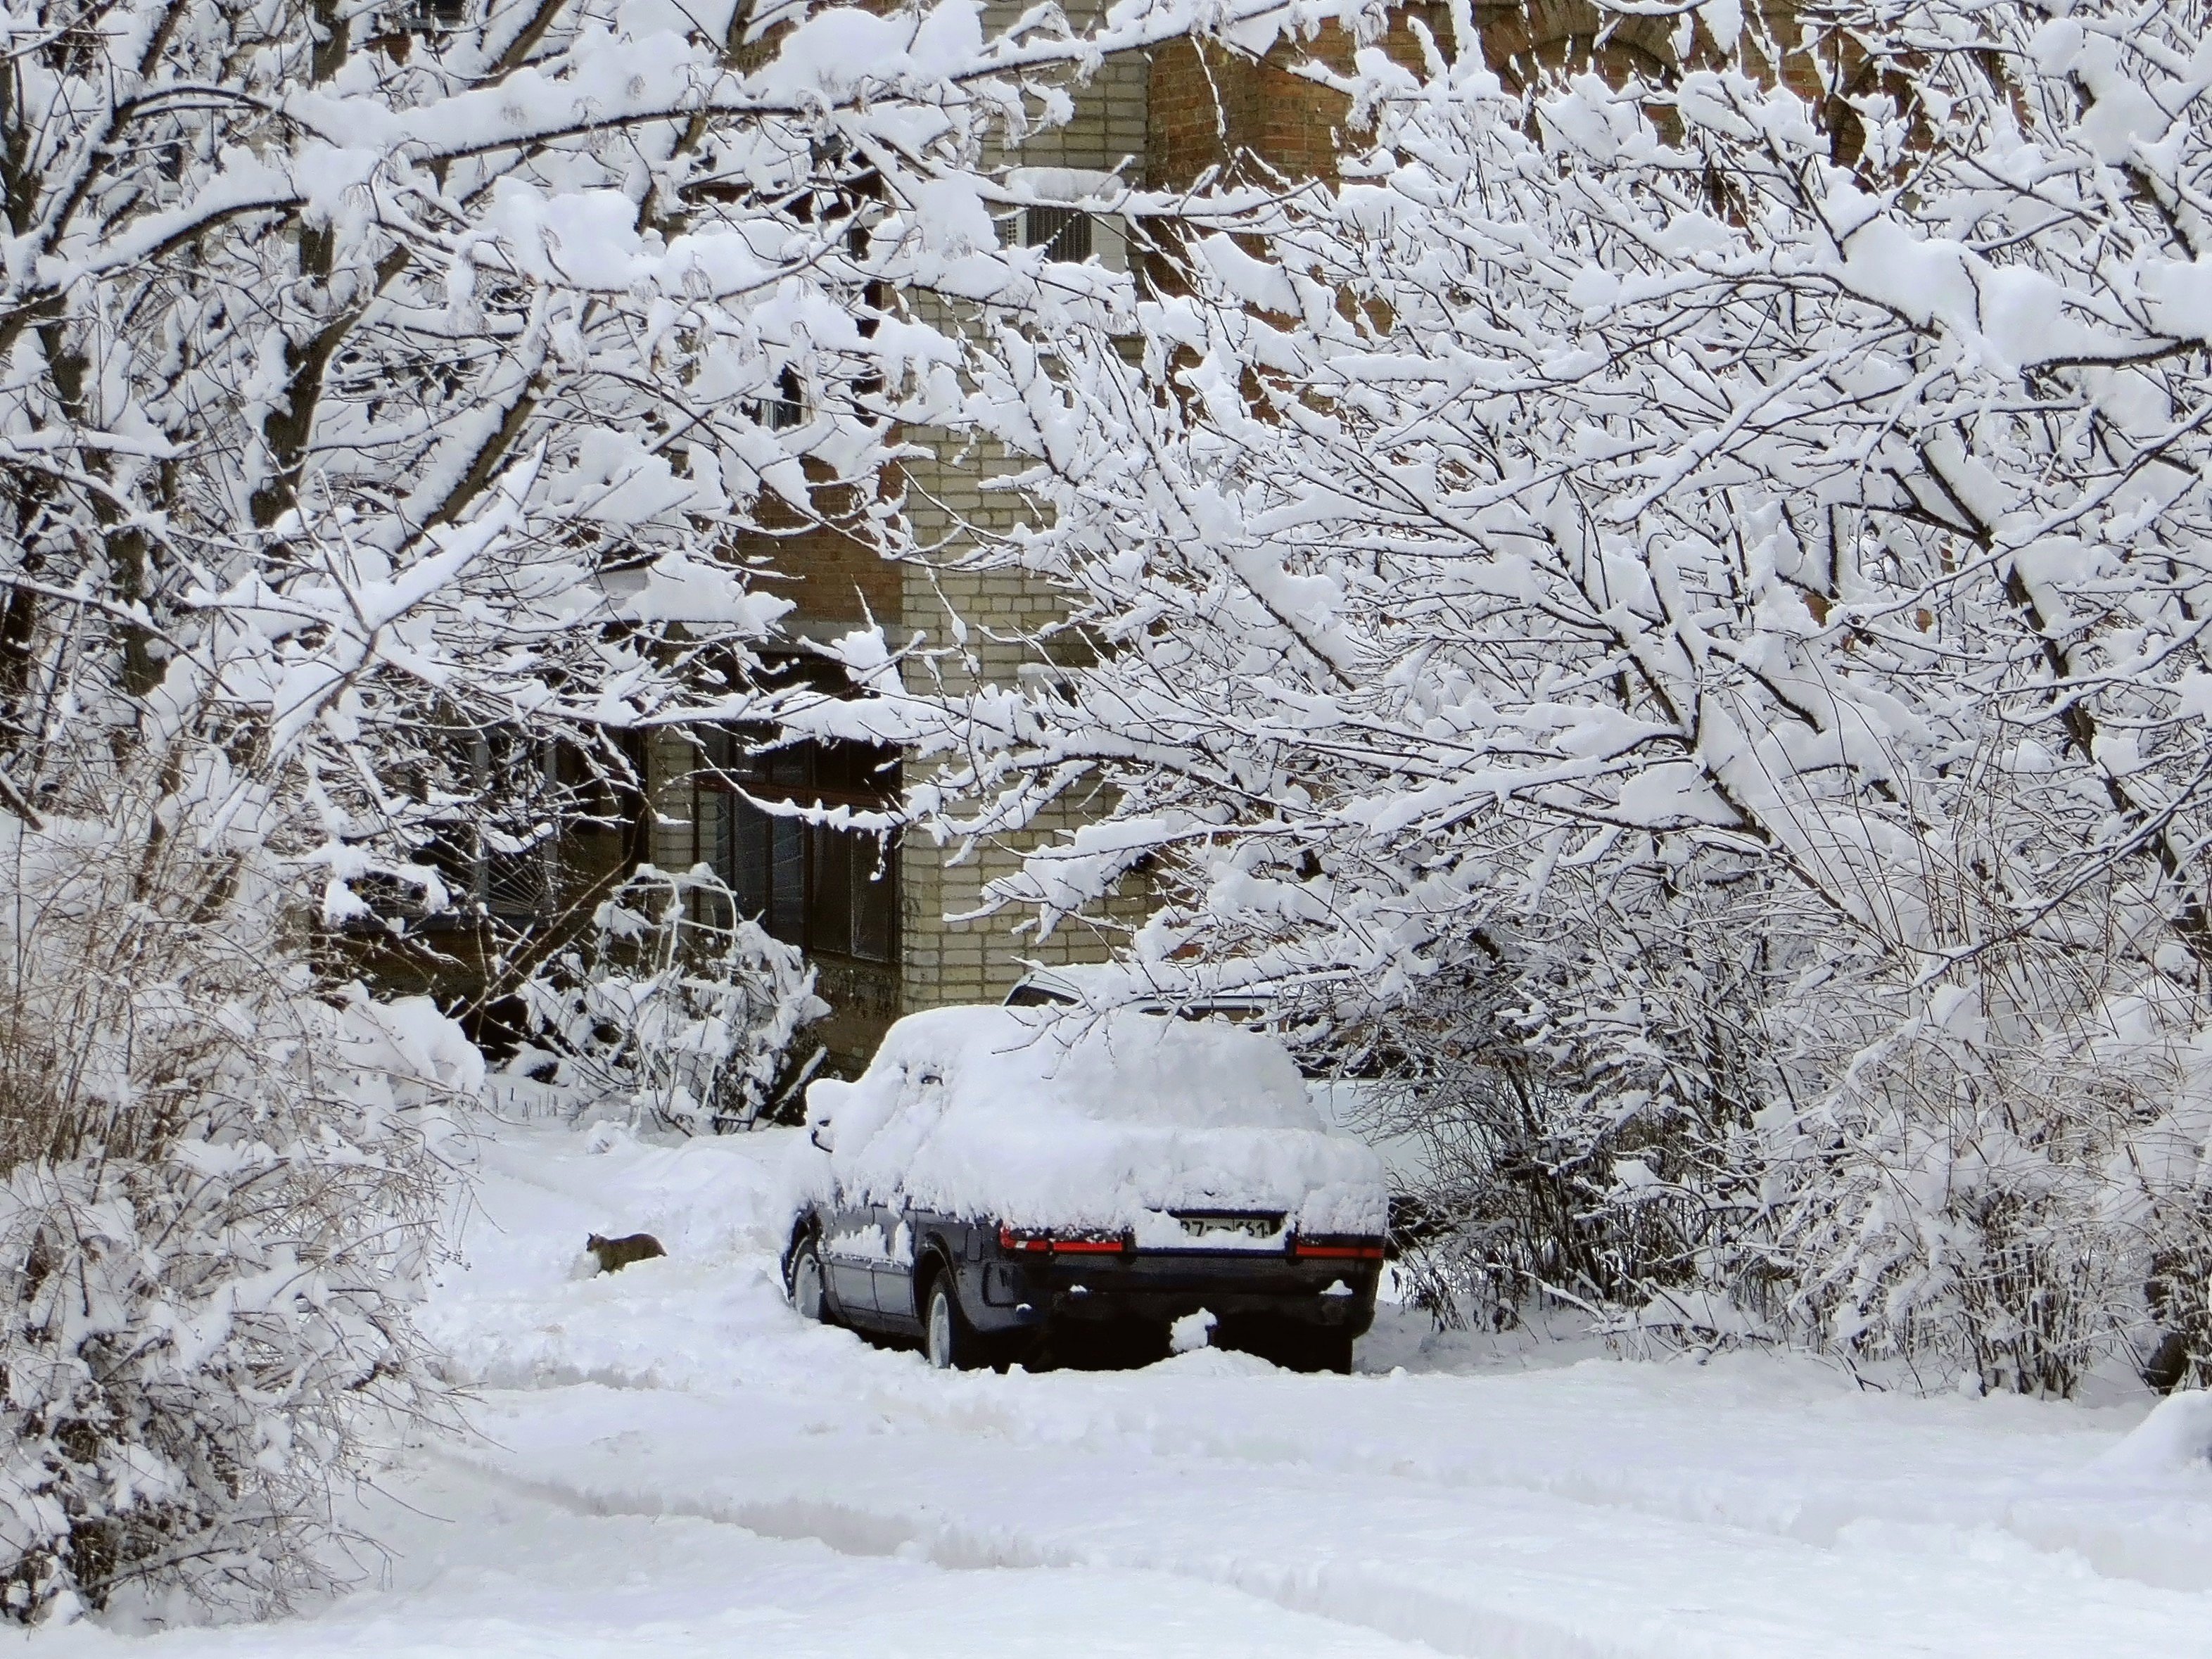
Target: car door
[[851, 1243], [894, 1268], [921, 1102]]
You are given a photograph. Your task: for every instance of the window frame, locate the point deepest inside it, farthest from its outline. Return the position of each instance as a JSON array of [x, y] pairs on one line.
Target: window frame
[[742, 784]]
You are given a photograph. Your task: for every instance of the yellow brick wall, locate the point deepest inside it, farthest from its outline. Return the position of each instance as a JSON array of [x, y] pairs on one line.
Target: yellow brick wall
[[1108, 124], [943, 961], [946, 961], [672, 837]]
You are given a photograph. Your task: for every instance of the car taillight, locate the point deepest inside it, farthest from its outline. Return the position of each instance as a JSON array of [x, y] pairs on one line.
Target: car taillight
[[1032, 1242], [1338, 1249]]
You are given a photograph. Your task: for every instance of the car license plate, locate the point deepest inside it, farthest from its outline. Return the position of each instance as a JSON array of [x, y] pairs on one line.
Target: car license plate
[[1199, 1225]]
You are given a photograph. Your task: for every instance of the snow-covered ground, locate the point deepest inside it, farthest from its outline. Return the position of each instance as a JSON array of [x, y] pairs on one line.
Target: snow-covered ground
[[669, 1462]]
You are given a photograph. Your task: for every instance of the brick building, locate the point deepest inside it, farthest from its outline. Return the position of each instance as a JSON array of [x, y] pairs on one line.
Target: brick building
[[876, 922]]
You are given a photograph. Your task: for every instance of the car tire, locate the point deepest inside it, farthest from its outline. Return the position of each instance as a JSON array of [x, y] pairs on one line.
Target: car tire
[[808, 1285], [1322, 1350], [1296, 1348], [1333, 1352], [948, 1342]]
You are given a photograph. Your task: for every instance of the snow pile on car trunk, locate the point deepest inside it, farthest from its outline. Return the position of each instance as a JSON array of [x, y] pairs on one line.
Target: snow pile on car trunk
[[1042, 1117]]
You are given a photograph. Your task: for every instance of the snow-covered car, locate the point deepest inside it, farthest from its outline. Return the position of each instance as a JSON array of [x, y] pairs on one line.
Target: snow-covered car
[[1360, 1106], [999, 1178]]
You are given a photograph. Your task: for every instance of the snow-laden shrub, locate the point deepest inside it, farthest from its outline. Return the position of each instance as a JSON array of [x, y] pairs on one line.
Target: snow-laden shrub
[[219, 1186], [1586, 1100], [1712, 1122], [1999, 1186], [675, 1008]]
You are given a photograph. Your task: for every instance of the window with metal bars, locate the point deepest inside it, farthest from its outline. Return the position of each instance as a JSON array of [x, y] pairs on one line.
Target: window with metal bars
[[787, 408], [829, 891], [1064, 233]]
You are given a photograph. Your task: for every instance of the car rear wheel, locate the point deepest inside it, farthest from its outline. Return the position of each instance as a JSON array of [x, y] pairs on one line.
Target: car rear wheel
[[1327, 1351], [809, 1294], [1293, 1345], [948, 1341]]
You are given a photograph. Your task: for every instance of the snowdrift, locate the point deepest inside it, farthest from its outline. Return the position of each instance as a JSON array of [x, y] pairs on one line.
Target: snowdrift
[[2174, 1439]]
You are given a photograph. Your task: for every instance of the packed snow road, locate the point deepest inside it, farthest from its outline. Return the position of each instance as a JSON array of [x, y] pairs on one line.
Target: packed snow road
[[668, 1460]]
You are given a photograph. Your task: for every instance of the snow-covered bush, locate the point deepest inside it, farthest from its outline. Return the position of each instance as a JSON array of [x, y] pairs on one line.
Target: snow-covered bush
[[676, 1007], [1585, 1097], [219, 1189]]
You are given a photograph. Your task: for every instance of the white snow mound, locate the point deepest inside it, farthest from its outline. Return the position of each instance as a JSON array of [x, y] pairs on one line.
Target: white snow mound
[[2176, 1436], [1051, 1118], [1191, 1331]]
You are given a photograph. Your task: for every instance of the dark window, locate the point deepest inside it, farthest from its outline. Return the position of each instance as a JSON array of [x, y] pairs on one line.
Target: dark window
[[493, 850], [786, 410], [829, 891], [1064, 233], [436, 16]]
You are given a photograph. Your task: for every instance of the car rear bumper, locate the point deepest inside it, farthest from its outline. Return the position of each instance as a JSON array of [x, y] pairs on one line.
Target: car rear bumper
[[1157, 1287]]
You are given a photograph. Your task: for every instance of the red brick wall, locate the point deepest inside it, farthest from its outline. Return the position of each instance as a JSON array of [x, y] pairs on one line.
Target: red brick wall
[[1210, 107]]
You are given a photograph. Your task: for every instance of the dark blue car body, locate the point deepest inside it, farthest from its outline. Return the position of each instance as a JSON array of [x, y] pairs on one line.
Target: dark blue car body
[[1027, 1297]]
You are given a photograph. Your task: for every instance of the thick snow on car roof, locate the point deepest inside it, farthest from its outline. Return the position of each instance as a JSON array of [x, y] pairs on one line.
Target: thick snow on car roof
[[1127, 1064], [1057, 1117]]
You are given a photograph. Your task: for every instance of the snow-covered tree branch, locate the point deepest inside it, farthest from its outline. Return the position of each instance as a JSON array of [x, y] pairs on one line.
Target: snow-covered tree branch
[[402, 407], [1633, 560]]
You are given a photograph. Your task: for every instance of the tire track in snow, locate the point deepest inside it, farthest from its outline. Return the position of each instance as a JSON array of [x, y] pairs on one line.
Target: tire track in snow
[[1350, 1594], [1111, 1413], [1532, 1575], [2063, 1519]]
